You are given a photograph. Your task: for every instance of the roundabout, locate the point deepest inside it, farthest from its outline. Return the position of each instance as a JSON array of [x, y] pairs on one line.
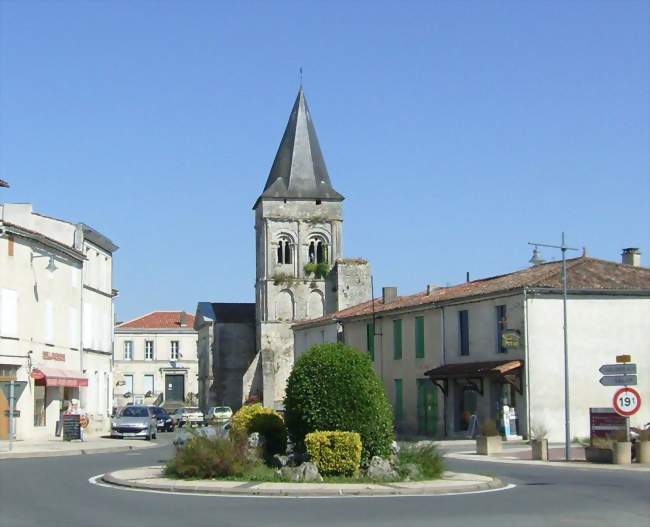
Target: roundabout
[[152, 479]]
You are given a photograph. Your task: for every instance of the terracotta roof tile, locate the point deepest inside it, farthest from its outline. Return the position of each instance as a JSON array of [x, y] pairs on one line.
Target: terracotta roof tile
[[584, 273], [160, 320]]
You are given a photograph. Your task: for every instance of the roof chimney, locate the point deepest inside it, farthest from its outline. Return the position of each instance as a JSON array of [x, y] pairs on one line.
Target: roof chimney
[[631, 256], [431, 288], [388, 294]]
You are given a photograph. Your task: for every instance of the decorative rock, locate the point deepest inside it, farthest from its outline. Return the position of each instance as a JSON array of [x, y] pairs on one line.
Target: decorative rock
[[255, 440], [292, 474], [298, 458], [380, 469], [309, 472], [394, 448], [279, 461]]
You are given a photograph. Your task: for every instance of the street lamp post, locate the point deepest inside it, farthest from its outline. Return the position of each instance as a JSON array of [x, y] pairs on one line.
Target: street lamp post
[[567, 424]]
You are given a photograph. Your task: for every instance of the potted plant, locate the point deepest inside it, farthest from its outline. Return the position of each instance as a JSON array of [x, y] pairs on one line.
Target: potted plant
[[643, 447], [489, 441], [539, 443]]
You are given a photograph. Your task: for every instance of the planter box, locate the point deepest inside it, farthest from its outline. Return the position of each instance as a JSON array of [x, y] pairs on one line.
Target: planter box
[[540, 449], [643, 451], [622, 453], [598, 455], [488, 445]]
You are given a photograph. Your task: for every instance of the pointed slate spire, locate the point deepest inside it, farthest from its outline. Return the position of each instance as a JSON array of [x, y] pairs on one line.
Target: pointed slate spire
[[299, 170]]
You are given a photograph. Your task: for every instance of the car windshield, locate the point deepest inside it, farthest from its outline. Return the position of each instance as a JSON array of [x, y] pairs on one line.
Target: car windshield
[[222, 409], [134, 411], [158, 411], [191, 410]]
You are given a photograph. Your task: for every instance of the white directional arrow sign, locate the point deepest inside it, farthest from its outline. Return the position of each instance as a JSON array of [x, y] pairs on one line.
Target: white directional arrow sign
[[618, 369], [618, 380]]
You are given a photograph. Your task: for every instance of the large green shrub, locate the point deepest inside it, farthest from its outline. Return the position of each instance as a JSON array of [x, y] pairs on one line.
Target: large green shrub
[[267, 422], [334, 387], [335, 453]]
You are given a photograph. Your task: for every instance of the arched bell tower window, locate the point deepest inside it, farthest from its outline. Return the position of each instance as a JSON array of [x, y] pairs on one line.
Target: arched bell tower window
[[317, 250], [284, 251]]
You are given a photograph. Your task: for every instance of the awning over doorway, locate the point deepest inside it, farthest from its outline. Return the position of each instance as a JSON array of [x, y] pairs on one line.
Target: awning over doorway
[[57, 377], [473, 373]]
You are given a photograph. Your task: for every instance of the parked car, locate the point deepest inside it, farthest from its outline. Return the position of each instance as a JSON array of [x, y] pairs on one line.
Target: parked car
[[191, 415], [164, 420], [134, 421], [218, 414]]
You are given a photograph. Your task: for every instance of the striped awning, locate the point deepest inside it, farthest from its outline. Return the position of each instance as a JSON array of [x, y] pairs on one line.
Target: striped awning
[[57, 377]]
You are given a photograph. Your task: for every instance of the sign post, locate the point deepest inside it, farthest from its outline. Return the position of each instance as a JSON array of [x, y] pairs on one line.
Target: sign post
[[13, 390], [626, 401]]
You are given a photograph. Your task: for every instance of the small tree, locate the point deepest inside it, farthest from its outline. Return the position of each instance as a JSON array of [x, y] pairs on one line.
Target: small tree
[[334, 387]]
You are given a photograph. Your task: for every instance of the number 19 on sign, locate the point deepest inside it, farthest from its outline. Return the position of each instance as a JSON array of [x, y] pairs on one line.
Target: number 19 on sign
[[627, 401]]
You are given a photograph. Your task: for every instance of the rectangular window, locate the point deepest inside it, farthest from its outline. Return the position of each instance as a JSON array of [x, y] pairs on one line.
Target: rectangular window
[[173, 352], [502, 324], [419, 337], [399, 400], [128, 384], [370, 340], [39, 406], [397, 339], [148, 350], [148, 384], [463, 330], [128, 350], [8, 312]]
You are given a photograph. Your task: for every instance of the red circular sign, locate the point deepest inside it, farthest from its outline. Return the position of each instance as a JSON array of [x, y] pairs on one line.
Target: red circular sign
[[627, 401]]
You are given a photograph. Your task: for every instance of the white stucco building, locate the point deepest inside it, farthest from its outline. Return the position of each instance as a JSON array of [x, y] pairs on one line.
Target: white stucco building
[[453, 336], [155, 360], [56, 319]]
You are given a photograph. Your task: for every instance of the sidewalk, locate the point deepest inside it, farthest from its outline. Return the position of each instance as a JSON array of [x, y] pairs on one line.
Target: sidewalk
[[152, 479], [58, 447]]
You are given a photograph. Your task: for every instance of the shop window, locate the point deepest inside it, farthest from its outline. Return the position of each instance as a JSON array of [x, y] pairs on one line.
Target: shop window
[[39, 406]]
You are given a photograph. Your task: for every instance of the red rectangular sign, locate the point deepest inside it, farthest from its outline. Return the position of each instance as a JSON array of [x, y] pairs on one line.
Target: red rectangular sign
[[605, 422]]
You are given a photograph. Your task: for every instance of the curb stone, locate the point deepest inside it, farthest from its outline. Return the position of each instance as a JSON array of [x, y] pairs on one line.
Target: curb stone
[[291, 489], [80, 452]]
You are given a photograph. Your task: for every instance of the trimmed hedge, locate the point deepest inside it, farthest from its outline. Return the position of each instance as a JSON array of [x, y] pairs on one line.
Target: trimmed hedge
[[334, 387], [335, 453], [267, 422]]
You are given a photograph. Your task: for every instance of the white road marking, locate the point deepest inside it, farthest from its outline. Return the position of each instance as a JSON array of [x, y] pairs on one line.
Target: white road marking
[[96, 480]]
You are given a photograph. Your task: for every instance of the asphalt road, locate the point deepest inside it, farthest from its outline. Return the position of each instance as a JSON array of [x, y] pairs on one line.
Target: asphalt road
[[55, 492]]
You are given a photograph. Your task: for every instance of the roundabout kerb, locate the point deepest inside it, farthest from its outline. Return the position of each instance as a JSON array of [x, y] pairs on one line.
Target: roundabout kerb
[[152, 479]]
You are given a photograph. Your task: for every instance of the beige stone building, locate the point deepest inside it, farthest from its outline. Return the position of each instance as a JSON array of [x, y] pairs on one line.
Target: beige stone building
[[155, 360], [56, 319], [451, 352]]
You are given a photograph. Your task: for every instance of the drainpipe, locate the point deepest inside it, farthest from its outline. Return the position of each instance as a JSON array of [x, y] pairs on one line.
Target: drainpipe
[[81, 315], [444, 362], [527, 363]]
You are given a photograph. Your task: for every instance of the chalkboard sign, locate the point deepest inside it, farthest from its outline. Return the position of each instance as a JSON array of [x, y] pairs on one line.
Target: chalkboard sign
[[71, 427]]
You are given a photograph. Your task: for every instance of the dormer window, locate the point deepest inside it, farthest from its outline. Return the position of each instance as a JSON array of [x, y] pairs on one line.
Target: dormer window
[[284, 251]]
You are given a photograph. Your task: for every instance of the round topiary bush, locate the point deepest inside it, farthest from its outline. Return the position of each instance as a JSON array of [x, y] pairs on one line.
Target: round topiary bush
[[334, 387], [266, 421]]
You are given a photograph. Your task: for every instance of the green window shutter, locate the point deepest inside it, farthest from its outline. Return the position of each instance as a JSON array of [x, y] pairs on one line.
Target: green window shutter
[[399, 400], [370, 340], [397, 339], [419, 337]]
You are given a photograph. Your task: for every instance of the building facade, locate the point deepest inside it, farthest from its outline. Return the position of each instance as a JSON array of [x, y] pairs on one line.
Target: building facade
[[56, 320], [449, 353], [155, 360]]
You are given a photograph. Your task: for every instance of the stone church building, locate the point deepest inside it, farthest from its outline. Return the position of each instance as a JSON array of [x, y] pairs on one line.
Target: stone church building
[[300, 275]]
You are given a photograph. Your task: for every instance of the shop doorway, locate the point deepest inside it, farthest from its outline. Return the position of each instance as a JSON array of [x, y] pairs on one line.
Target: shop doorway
[[427, 408], [467, 404], [175, 388]]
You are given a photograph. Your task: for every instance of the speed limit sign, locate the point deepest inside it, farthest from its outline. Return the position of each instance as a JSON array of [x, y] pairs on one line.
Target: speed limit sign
[[627, 401]]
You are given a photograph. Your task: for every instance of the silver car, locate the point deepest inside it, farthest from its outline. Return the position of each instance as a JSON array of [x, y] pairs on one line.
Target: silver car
[[135, 421]]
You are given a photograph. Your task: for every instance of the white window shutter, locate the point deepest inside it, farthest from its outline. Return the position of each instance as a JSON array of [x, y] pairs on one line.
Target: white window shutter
[[8, 313]]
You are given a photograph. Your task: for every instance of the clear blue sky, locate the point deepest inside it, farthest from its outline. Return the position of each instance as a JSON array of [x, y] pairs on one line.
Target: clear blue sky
[[458, 131]]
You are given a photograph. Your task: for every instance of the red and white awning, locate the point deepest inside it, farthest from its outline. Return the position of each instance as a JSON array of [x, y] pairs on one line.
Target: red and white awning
[[57, 377]]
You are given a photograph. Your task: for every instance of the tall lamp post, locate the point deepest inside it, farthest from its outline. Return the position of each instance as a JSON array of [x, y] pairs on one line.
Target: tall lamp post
[[535, 260]]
